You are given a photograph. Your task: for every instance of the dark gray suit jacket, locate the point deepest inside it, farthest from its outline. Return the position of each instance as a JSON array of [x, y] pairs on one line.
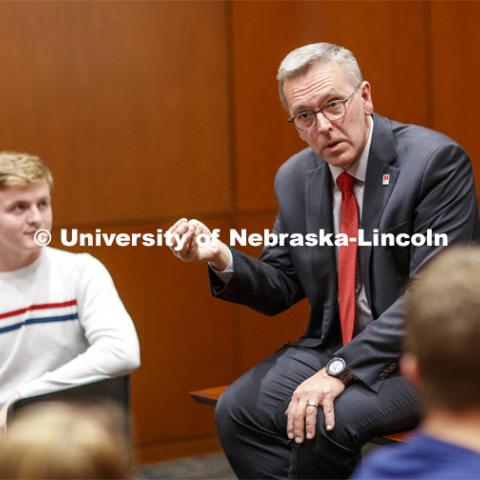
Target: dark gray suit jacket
[[431, 186]]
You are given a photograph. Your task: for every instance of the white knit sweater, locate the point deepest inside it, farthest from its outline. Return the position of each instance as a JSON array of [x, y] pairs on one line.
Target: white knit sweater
[[62, 324]]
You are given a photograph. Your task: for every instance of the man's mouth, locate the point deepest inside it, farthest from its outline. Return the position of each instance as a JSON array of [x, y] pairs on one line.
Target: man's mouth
[[333, 144]]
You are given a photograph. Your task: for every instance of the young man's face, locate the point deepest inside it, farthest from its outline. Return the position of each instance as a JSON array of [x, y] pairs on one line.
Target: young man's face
[[23, 210], [338, 142]]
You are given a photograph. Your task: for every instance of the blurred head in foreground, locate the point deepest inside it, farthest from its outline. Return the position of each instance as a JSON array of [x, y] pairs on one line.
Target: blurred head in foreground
[[443, 331], [61, 441]]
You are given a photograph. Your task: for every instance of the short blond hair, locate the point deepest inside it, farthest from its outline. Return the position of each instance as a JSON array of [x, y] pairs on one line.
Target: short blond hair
[[443, 328], [67, 441], [20, 169]]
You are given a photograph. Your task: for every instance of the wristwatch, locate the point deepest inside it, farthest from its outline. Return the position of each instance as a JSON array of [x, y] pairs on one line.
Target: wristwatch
[[337, 368]]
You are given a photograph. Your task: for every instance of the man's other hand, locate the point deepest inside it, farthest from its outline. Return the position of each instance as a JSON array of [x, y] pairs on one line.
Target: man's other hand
[[318, 391]]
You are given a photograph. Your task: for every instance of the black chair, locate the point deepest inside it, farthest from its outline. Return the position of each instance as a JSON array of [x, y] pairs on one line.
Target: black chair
[[111, 390]]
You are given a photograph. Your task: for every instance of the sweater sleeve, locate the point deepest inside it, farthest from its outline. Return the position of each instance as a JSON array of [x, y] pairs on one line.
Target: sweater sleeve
[[113, 347]]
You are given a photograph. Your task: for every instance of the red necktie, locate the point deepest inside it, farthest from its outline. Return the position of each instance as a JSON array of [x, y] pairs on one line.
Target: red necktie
[[347, 256]]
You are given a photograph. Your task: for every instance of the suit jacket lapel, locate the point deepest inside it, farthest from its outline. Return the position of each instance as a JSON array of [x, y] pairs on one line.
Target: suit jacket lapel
[[376, 195], [318, 208]]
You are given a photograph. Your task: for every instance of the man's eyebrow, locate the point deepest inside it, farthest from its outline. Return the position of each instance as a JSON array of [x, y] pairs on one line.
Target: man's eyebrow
[[327, 97], [15, 202], [301, 108]]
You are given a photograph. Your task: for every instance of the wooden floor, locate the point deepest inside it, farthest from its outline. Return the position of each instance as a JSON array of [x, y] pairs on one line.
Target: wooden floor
[[211, 466]]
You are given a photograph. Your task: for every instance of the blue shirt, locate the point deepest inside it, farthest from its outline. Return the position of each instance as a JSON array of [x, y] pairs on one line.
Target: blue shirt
[[421, 457]]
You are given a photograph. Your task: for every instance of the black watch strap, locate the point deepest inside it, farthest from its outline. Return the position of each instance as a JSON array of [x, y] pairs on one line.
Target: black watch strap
[[346, 377]]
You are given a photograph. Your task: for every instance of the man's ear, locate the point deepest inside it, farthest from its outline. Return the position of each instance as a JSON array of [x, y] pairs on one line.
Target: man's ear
[[366, 94], [410, 370]]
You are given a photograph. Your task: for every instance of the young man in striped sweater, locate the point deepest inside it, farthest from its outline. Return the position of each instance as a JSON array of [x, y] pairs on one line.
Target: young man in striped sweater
[[62, 322]]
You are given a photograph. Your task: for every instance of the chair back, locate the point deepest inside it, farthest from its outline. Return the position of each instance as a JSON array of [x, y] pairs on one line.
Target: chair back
[[115, 390]]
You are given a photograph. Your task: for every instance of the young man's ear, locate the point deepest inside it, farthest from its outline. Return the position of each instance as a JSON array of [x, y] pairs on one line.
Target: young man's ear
[[410, 370]]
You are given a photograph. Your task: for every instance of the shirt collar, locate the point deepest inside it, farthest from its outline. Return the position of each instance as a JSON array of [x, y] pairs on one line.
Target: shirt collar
[[359, 168]]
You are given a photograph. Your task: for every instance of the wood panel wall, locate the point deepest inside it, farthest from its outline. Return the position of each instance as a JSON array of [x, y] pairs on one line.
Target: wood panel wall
[[147, 111]]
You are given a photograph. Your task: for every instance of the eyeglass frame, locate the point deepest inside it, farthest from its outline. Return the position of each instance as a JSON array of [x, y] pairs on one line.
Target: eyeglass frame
[[320, 110]]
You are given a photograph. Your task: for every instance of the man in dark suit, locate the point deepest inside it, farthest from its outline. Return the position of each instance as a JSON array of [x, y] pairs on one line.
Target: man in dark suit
[[306, 411]]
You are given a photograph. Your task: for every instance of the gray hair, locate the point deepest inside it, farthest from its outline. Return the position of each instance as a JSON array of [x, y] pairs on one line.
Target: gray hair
[[301, 59]]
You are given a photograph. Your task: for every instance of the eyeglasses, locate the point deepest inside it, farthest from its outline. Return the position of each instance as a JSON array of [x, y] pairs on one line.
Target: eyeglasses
[[332, 111]]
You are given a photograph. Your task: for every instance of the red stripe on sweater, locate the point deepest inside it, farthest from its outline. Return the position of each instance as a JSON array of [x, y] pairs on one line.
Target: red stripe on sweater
[[41, 306]]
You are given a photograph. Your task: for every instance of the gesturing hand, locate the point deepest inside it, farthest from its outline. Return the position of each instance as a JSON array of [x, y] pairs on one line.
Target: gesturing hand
[[195, 242], [318, 391]]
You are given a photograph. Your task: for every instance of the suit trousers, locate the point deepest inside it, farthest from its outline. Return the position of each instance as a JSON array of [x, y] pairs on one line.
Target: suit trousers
[[251, 421]]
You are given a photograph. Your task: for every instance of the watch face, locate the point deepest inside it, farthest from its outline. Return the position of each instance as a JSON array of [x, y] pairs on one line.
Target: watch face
[[336, 366]]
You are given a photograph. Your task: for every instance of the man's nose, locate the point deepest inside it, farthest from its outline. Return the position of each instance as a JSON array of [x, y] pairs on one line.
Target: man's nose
[[322, 123], [34, 215]]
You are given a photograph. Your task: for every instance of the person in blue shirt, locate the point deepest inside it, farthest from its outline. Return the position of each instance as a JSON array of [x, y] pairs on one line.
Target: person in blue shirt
[[442, 358]]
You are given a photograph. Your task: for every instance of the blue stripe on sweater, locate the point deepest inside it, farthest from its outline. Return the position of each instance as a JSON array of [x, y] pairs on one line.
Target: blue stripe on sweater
[[32, 321]]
